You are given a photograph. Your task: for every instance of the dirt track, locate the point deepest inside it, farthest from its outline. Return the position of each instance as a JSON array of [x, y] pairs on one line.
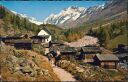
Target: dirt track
[[62, 74]]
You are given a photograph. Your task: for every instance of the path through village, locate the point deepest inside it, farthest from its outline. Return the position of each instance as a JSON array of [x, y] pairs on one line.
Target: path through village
[[63, 75]]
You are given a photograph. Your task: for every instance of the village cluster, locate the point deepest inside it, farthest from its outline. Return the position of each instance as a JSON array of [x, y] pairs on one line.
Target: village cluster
[[56, 50]]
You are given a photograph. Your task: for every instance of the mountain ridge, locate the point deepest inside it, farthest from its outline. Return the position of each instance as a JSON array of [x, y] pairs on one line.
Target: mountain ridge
[[75, 16]]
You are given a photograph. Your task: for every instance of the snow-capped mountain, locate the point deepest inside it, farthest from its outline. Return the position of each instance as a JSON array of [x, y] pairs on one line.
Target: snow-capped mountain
[[71, 14], [31, 19], [74, 16]]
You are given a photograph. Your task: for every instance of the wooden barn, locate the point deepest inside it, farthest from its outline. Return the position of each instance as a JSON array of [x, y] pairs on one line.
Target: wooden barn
[[9, 40], [108, 61], [89, 50], [23, 44], [39, 39], [68, 52]]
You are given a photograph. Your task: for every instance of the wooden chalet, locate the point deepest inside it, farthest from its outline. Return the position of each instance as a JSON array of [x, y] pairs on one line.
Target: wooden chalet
[[63, 51], [9, 40], [67, 50], [39, 39], [88, 50], [23, 44], [108, 61]]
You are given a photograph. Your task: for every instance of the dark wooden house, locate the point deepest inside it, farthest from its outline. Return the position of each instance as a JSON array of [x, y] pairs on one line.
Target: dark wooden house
[[39, 39], [108, 61], [9, 40], [68, 52], [89, 50], [23, 44]]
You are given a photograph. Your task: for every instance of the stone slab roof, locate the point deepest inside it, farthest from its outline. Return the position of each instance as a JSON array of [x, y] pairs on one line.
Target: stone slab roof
[[90, 49], [107, 57]]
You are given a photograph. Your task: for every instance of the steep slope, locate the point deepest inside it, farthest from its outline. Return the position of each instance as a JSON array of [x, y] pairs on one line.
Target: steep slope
[[75, 16], [111, 8], [13, 24], [24, 65], [31, 19]]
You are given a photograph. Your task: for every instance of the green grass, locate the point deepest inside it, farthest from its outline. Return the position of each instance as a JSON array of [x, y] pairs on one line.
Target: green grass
[[121, 39]]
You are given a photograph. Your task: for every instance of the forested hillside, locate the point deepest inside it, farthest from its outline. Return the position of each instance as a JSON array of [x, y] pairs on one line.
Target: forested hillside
[[11, 24], [112, 34], [114, 31]]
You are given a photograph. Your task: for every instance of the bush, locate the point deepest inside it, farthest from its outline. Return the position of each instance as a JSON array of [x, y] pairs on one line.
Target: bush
[[38, 48]]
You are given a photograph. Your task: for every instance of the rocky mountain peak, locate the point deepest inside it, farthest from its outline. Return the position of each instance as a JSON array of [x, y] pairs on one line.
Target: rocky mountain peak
[[74, 16], [68, 14]]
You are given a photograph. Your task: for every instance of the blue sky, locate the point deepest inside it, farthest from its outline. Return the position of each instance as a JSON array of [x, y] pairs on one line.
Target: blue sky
[[42, 9]]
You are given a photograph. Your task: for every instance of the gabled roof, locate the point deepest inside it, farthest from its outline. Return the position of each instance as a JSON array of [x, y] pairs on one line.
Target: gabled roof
[[46, 30], [40, 36], [122, 55], [90, 49], [107, 57], [22, 41], [67, 49], [12, 37]]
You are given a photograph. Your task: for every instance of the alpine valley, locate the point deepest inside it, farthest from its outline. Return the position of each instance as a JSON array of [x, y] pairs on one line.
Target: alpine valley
[[76, 44]]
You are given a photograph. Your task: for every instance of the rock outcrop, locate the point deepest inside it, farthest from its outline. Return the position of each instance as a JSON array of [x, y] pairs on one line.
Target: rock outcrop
[[24, 65]]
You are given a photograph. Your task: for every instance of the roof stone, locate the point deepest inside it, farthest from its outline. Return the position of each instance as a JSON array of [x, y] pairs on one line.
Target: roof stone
[[107, 57]]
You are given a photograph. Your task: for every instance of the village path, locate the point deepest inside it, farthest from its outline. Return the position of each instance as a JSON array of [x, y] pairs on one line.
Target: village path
[[63, 75]]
